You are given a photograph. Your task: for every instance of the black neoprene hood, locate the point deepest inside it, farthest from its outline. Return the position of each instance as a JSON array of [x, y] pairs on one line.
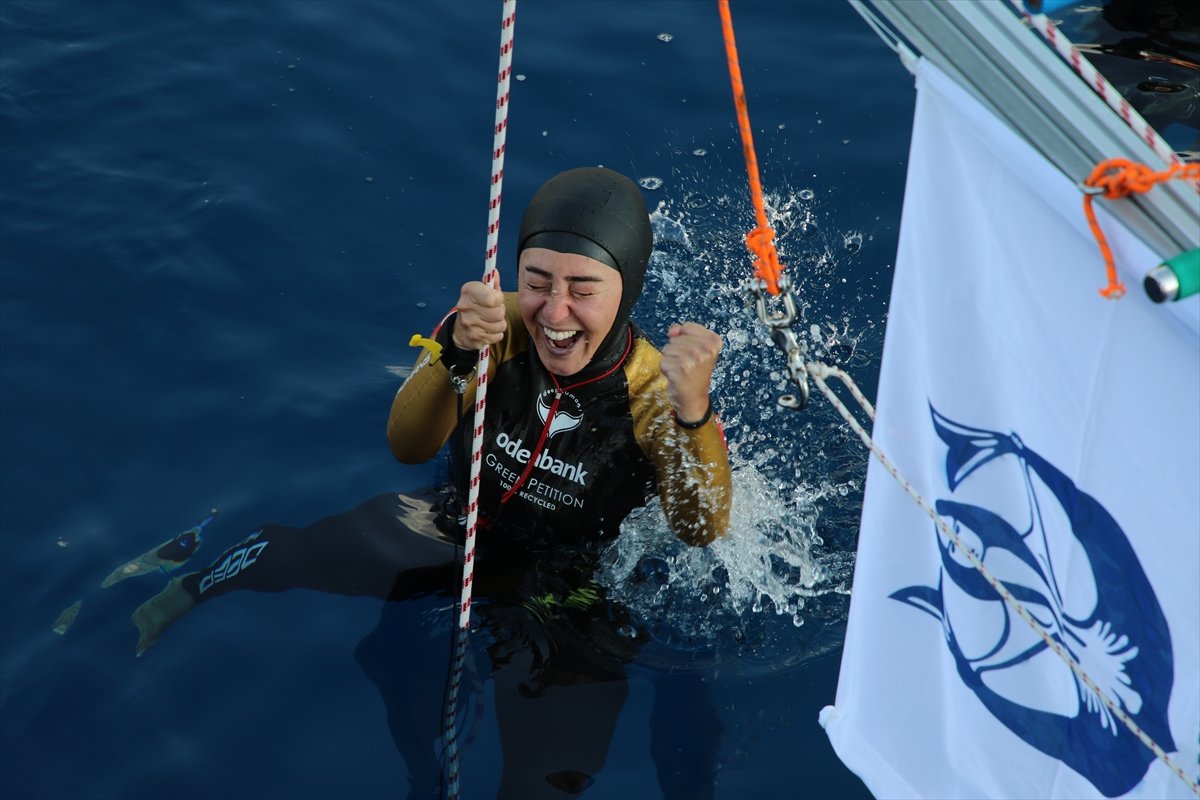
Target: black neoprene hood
[[601, 214]]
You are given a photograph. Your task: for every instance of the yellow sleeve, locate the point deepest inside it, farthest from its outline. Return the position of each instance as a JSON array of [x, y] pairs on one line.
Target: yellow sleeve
[[425, 410], [692, 465]]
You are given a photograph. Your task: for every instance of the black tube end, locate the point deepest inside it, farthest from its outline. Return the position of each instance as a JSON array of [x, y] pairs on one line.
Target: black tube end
[[1153, 290], [1161, 284]]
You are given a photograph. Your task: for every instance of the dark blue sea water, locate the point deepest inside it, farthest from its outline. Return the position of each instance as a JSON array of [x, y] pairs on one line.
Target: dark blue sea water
[[220, 223]]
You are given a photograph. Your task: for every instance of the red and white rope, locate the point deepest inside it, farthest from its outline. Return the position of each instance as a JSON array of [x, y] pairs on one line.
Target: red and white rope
[[492, 278], [1109, 93]]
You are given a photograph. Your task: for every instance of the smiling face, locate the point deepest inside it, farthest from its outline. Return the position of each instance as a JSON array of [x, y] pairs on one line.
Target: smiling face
[[569, 303]]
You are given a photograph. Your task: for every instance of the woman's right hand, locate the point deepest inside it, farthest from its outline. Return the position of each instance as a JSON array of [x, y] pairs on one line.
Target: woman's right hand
[[481, 320]]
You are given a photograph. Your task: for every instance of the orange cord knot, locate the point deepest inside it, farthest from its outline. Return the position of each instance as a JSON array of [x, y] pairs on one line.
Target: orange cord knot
[[761, 242], [1118, 178]]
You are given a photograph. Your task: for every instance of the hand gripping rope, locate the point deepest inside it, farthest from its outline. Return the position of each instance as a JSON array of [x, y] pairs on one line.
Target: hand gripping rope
[[780, 324], [492, 278]]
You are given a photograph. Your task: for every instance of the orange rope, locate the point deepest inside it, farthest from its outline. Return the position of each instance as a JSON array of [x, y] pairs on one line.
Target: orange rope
[[761, 240], [1120, 177]]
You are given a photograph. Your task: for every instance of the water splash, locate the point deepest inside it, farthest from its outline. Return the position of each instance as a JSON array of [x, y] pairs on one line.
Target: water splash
[[774, 592]]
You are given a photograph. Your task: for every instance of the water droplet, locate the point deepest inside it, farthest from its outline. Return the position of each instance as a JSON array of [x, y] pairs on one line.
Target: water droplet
[[665, 37], [290, 89], [650, 183], [806, 194], [370, 179], [700, 151], [61, 542], [853, 243], [520, 77], [545, 133], [422, 304], [628, 631]]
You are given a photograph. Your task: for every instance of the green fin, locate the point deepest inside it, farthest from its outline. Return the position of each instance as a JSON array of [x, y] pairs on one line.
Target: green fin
[[154, 616], [170, 555]]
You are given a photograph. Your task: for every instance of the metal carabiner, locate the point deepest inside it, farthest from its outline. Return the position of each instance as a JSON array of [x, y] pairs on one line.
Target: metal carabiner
[[779, 323], [775, 319]]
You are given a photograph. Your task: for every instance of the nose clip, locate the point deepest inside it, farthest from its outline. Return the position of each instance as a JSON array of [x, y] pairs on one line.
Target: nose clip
[[779, 323]]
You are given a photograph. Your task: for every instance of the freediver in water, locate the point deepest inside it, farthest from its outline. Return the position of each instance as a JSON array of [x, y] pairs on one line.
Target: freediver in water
[[586, 421]]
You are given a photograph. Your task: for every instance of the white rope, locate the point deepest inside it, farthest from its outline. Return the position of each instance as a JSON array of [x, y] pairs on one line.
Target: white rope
[[819, 372], [491, 277], [907, 57]]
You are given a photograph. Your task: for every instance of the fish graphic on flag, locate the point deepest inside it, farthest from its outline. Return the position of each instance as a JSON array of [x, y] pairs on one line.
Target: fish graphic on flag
[[1057, 435], [1110, 621]]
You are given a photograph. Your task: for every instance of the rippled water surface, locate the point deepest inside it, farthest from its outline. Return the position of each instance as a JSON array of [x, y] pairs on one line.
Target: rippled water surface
[[221, 224]]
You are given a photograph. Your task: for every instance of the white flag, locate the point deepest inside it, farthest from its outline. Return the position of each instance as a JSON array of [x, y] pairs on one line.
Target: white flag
[[1059, 434]]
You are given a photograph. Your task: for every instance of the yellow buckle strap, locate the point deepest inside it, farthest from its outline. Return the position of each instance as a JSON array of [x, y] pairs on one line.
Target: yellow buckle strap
[[435, 349]]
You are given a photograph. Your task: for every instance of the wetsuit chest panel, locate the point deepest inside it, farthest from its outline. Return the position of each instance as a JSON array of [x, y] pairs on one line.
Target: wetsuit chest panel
[[589, 472]]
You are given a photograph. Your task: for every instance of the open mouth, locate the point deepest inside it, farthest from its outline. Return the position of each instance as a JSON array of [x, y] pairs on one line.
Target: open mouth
[[561, 341]]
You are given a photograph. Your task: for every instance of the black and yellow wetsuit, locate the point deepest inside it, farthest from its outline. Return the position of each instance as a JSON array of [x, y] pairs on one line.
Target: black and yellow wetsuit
[[567, 459], [555, 643], [564, 461]]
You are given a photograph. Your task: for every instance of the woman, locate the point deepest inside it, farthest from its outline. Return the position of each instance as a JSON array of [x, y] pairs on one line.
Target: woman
[[585, 421]]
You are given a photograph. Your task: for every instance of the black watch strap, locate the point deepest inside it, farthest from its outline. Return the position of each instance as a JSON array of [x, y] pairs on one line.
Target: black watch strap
[[691, 426]]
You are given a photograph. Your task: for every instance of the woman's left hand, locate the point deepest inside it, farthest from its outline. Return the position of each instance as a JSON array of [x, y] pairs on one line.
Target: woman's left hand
[[688, 361]]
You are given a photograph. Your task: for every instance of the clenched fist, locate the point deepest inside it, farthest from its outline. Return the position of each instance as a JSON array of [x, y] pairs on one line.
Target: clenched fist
[[688, 361]]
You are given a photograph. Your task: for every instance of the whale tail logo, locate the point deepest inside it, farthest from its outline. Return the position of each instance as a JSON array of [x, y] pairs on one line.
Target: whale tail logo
[[563, 420], [1027, 522]]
